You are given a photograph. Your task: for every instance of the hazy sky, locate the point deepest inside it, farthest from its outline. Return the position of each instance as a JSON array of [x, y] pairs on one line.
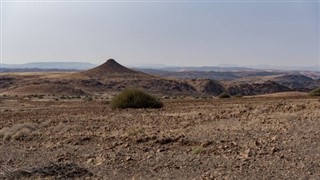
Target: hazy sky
[[172, 33]]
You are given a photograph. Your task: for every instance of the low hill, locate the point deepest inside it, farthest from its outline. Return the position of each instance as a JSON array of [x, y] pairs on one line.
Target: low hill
[[113, 70], [207, 86], [255, 88], [113, 77], [295, 81]]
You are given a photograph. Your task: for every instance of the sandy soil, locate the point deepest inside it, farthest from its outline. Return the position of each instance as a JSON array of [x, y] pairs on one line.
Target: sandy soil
[[237, 138]]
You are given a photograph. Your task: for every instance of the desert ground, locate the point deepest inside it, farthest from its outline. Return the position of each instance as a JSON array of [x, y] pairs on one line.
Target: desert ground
[[259, 137]]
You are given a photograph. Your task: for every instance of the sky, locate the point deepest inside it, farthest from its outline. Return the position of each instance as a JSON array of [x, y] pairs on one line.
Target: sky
[[185, 33]]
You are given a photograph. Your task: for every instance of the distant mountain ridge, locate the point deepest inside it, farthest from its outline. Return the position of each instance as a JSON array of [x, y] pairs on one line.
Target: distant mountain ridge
[[162, 67], [51, 65]]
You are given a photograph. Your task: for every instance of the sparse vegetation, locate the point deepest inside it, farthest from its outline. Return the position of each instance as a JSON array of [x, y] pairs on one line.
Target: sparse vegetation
[[197, 150], [134, 98], [224, 95], [135, 131], [17, 131], [21, 131], [315, 92]]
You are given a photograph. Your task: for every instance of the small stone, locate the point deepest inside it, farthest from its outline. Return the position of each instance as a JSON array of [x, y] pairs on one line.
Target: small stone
[[125, 145], [245, 154], [273, 150], [160, 150], [128, 158], [90, 160]]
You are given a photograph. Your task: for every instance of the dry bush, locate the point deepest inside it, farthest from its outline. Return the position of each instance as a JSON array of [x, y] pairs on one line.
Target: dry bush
[[134, 98], [197, 150], [315, 92], [18, 131], [224, 95]]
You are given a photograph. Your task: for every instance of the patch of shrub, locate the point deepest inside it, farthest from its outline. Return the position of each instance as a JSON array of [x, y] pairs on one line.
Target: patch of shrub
[[197, 150], [134, 131], [315, 92], [224, 95], [18, 131], [134, 98], [21, 131]]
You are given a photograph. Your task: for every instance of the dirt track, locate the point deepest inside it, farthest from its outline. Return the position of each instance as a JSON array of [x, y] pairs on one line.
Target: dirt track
[[238, 138]]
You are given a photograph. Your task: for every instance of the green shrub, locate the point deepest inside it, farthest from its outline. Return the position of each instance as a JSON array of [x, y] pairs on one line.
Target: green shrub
[[315, 92], [134, 98], [224, 95]]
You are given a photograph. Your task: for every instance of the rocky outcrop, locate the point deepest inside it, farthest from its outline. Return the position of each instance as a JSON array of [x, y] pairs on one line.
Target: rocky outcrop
[[256, 88], [295, 82], [206, 86]]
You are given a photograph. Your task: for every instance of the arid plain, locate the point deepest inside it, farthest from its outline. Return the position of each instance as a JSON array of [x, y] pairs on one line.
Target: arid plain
[[237, 138]]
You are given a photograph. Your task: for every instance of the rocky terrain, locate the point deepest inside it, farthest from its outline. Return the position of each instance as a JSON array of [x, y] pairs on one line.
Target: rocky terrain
[[270, 137]]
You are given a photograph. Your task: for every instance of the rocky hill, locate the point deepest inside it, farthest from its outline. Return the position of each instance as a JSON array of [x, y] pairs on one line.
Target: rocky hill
[[112, 70], [255, 88], [295, 82], [206, 86]]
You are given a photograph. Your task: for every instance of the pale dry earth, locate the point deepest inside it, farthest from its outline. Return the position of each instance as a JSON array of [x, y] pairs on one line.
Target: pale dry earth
[[239, 138]]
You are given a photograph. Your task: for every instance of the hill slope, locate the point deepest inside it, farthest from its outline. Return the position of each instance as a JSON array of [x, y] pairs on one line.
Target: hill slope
[[113, 70]]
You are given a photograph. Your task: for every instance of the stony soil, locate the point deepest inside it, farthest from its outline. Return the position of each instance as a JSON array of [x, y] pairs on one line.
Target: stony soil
[[237, 138]]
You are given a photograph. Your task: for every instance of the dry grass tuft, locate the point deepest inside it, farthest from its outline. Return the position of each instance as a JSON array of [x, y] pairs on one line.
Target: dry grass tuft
[[18, 131]]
